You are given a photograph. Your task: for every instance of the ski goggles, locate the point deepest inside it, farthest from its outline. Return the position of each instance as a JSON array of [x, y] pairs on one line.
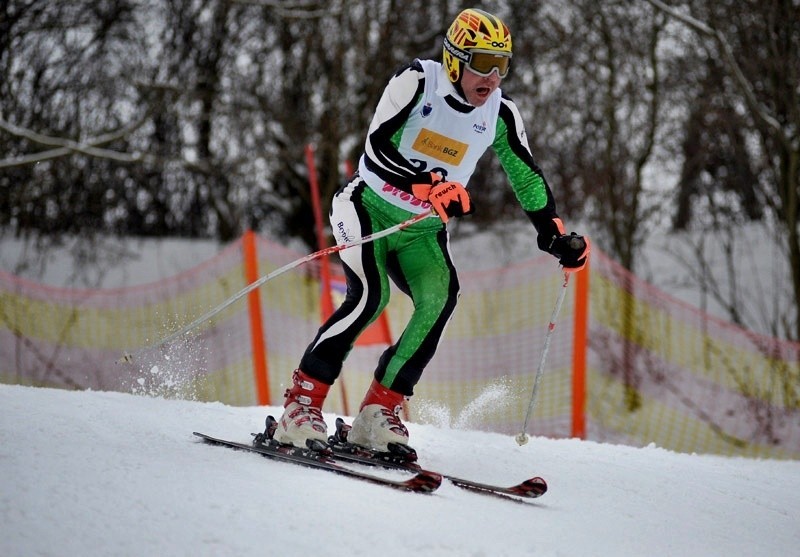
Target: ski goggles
[[484, 62]]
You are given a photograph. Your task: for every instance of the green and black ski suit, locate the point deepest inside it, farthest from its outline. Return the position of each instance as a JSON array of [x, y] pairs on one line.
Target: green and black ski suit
[[421, 125]]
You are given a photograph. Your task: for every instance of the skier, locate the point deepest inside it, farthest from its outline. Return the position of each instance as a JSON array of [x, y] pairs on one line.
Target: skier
[[432, 124]]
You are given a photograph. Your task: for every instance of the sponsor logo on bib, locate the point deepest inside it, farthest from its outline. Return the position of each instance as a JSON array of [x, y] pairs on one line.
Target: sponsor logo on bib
[[440, 147]]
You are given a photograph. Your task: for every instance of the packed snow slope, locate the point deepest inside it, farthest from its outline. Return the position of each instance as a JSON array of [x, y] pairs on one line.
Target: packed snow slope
[[95, 473]]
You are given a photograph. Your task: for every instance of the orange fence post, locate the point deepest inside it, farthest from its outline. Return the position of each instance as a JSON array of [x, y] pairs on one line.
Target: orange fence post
[[316, 205], [579, 348], [260, 372], [326, 300]]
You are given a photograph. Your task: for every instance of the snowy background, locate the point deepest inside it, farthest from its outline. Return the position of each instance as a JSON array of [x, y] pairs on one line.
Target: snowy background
[[92, 473]]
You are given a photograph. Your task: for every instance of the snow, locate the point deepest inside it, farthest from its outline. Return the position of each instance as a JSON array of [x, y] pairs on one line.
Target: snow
[[99, 473]]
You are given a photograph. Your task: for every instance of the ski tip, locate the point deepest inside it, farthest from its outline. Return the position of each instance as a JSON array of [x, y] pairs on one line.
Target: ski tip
[[534, 487], [425, 482], [208, 439], [205, 436]]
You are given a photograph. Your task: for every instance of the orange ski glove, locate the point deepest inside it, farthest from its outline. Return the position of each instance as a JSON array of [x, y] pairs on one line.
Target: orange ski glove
[[448, 199]]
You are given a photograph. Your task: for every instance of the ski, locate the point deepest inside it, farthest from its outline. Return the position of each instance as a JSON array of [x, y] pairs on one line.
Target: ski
[[404, 458], [421, 482]]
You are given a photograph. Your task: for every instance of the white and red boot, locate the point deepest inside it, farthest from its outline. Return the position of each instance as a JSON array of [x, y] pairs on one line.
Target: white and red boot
[[378, 421], [302, 416]]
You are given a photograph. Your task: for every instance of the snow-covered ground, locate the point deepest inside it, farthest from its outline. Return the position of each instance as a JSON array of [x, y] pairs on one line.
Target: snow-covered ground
[[94, 473]]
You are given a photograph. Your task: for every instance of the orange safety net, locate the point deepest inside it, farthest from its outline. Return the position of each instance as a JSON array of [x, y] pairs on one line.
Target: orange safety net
[[665, 372], [657, 371]]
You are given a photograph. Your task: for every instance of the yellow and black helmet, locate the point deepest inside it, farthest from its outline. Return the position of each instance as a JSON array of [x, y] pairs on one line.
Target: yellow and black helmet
[[479, 40]]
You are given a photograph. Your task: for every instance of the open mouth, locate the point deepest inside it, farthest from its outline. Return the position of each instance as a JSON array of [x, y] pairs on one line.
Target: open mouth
[[482, 91]]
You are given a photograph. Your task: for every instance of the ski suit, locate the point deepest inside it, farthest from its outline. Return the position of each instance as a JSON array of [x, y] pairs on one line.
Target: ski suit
[[421, 124]]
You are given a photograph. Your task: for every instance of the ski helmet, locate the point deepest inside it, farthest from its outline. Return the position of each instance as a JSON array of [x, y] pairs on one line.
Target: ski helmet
[[477, 39]]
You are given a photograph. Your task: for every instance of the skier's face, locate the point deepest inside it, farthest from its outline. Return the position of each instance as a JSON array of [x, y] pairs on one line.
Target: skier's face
[[478, 89]]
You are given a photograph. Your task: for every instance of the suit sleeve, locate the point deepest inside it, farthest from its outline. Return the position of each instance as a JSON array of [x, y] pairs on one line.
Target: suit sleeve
[[399, 97], [525, 176]]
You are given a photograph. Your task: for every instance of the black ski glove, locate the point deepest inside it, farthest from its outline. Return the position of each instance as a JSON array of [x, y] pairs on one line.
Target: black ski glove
[[571, 250]]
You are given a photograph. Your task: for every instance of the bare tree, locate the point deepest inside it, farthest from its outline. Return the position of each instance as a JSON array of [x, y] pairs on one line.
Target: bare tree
[[605, 97], [760, 52], [606, 105], [156, 117]]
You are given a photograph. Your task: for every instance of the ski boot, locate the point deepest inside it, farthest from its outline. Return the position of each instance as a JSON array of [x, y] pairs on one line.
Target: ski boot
[[302, 424], [377, 425]]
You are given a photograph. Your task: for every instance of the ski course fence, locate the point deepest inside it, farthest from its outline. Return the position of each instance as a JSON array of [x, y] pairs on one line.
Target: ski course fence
[[646, 368]]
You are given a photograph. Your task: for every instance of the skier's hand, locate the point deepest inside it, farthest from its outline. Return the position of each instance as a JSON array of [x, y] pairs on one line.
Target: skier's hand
[[571, 250], [448, 199]]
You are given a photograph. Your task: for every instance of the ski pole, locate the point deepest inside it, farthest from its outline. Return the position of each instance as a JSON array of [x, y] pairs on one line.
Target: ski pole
[[522, 437], [128, 358]]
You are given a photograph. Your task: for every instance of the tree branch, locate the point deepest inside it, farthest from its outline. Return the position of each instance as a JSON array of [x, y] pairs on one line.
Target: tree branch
[[62, 151], [66, 146], [295, 11], [730, 61]]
